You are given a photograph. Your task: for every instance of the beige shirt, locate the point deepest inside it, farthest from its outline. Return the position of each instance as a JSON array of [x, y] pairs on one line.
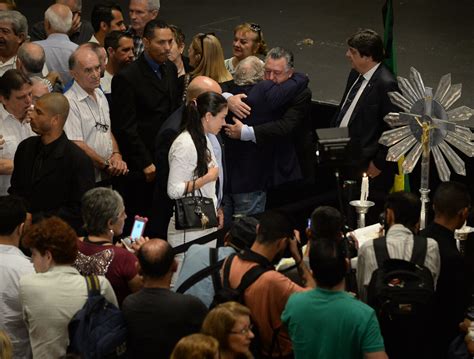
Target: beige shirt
[[49, 301]]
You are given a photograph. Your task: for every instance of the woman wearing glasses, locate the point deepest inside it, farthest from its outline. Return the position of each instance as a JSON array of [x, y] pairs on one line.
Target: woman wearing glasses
[[230, 324], [248, 40], [207, 58]]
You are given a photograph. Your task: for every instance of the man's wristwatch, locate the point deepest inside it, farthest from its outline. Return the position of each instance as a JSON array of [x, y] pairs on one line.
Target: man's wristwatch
[[106, 164]]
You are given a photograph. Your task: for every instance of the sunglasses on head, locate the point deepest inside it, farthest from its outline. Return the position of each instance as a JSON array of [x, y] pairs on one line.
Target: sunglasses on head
[[201, 39]]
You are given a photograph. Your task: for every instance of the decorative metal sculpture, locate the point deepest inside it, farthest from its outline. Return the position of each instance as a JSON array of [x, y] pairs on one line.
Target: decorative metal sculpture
[[428, 127]]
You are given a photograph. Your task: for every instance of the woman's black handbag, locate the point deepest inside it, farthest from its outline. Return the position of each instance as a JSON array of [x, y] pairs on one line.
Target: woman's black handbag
[[195, 212]]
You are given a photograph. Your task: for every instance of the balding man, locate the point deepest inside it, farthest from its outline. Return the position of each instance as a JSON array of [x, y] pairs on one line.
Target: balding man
[[162, 204], [80, 32], [39, 88], [156, 316], [50, 172], [13, 32], [141, 12], [57, 46], [88, 123]]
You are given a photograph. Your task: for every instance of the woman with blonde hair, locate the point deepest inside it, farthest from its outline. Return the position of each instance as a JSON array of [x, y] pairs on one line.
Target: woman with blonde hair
[[196, 346], [230, 324], [207, 58], [6, 346], [248, 41]]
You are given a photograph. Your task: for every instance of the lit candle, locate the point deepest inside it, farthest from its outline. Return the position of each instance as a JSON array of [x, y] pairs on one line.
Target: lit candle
[[364, 188]]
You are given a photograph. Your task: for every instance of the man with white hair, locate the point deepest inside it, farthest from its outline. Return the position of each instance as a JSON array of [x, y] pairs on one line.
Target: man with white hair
[[88, 122], [13, 32], [141, 12], [57, 46], [80, 32]]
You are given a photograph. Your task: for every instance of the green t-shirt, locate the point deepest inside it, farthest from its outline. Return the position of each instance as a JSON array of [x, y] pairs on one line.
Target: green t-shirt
[[331, 324]]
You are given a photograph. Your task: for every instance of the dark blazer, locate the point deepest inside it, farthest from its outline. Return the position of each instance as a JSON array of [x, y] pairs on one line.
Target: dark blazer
[[268, 101], [366, 123], [66, 174], [293, 126], [140, 104]]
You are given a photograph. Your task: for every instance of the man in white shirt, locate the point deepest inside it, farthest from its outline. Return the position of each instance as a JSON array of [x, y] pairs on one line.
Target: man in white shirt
[[13, 265], [106, 18], [119, 46], [13, 32], [88, 123], [365, 103], [402, 214], [16, 97]]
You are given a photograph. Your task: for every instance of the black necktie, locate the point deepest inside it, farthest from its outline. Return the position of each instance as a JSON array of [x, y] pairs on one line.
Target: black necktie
[[350, 97]]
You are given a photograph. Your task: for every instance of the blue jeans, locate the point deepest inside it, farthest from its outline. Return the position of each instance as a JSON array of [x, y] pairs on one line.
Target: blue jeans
[[243, 204]]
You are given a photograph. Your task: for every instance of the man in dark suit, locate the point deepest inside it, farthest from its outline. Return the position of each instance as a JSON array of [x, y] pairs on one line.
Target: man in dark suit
[[292, 126], [451, 205], [364, 105], [50, 172], [144, 94]]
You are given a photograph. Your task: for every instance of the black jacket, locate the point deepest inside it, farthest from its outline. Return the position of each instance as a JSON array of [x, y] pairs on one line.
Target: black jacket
[[65, 175]]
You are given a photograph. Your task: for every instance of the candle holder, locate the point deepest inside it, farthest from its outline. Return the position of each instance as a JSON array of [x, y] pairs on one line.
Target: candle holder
[[361, 207]]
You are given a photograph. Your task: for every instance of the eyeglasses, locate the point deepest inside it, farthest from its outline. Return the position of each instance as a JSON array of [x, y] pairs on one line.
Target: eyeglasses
[[255, 27], [201, 38], [101, 127], [244, 331]]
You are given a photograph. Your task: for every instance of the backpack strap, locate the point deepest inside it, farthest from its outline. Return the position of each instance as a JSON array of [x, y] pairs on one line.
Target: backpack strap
[[213, 259], [203, 273], [250, 277], [93, 285], [381, 251], [420, 247], [226, 272]]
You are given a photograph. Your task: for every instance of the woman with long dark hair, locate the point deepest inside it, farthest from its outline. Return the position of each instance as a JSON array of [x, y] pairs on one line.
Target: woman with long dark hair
[[193, 165]]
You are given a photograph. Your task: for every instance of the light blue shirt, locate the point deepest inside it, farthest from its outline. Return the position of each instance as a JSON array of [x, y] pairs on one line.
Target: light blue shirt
[[58, 48], [197, 258], [218, 154]]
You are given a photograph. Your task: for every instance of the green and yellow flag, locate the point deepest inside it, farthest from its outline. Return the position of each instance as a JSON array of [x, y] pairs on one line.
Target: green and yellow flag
[[401, 182]]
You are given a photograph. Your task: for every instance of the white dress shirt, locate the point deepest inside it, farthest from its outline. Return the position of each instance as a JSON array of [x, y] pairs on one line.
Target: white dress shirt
[[367, 76], [84, 115], [13, 132], [13, 265], [7, 65], [182, 159], [49, 301], [400, 246]]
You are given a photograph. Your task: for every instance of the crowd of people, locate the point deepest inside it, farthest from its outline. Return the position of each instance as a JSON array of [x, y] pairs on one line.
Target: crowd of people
[[101, 123]]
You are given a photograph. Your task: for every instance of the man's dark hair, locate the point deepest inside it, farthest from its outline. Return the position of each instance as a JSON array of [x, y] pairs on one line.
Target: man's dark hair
[[155, 263], [151, 25], [368, 43], [12, 214], [406, 208], [103, 12], [450, 198], [274, 225], [12, 80], [112, 39], [327, 261], [326, 222]]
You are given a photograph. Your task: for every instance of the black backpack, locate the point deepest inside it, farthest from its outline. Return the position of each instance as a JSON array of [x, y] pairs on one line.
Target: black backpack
[[401, 289], [97, 330], [228, 294]]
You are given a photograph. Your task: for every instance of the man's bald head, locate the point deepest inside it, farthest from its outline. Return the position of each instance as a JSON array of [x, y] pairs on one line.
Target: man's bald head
[[55, 104], [156, 258], [31, 58], [58, 19], [201, 84]]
